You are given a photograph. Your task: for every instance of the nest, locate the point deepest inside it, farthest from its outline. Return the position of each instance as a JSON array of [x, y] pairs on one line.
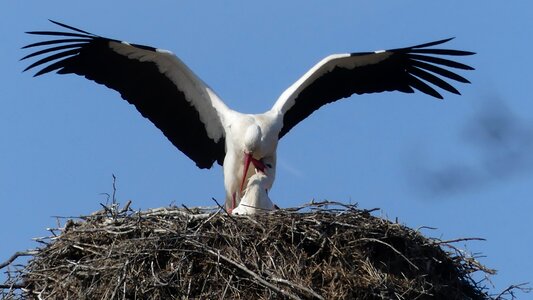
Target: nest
[[321, 251]]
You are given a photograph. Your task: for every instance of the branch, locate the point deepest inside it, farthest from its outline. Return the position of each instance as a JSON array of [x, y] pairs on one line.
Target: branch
[[437, 242], [248, 271], [303, 288], [510, 290], [17, 255], [12, 286]]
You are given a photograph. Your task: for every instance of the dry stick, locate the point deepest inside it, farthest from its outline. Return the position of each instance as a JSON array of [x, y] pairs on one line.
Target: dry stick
[[12, 286], [186, 208], [204, 222], [114, 189], [367, 211], [224, 209], [470, 260], [249, 272], [322, 245], [155, 276], [418, 229], [292, 284], [17, 255], [456, 240], [220, 206], [126, 207], [164, 211], [227, 286], [122, 280], [521, 287], [301, 287]]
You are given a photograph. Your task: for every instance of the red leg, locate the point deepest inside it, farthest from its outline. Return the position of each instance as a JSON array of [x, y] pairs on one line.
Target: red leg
[[233, 204]]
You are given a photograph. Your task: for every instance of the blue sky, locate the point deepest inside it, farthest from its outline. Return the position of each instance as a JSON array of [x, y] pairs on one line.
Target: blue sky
[[463, 165]]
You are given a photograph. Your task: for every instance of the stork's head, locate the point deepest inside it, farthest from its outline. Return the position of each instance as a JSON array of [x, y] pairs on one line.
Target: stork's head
[[252, 143], [252, 138]]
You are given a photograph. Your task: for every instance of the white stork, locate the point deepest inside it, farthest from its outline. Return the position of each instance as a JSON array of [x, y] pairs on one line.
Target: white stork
[[197, 122], [255, 198]]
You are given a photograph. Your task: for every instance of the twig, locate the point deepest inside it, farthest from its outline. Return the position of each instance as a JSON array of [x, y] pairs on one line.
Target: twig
[[126, 207], [220, 206], [425, 227], [163, 211], [224, 209], [155, 276], [113, 199], [227, 286], [436, 242], [367, 211], [187, 208], [248, 271], [12, 286], [17, 255], [292, 284], [509, 291]]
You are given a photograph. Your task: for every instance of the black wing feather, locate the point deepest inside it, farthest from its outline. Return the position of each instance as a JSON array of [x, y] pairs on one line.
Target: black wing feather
[[439, 71], [58, 33], [440, 61], [423, 87], [51, 58], [433, 79], [402, 69], [53, 49], [442, 52], [154, 95], [426, 45], [71, 28], [52, 42]]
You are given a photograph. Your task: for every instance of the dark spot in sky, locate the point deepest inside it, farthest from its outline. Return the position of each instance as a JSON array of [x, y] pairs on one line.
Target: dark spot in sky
[[503, 144]]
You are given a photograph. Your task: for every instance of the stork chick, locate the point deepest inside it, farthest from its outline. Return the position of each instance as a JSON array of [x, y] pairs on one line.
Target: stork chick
[[255, 199]]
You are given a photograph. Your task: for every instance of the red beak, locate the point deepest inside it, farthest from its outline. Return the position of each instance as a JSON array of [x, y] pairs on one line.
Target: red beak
[[258, 164], [247, 160]]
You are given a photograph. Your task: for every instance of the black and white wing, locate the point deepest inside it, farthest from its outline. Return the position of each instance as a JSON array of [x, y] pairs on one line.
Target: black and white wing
[[162, 87], [342, 75]]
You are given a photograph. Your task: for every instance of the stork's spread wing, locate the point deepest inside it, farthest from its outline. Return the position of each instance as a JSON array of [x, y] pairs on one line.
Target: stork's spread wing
[[342, 75], [160, 86]]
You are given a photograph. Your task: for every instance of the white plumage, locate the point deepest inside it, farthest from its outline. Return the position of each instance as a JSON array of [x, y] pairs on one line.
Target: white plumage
[[255, 199]]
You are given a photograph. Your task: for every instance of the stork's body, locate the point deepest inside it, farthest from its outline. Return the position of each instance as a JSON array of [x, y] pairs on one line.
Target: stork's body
[[197, 122], [255, 135]]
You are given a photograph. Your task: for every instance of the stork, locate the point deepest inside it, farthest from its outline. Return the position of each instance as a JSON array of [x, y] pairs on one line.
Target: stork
[[255, 199], [194, 119]]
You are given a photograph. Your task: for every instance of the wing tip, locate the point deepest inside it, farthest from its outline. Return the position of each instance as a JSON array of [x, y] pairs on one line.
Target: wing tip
[[434, 43], [70, 27]]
